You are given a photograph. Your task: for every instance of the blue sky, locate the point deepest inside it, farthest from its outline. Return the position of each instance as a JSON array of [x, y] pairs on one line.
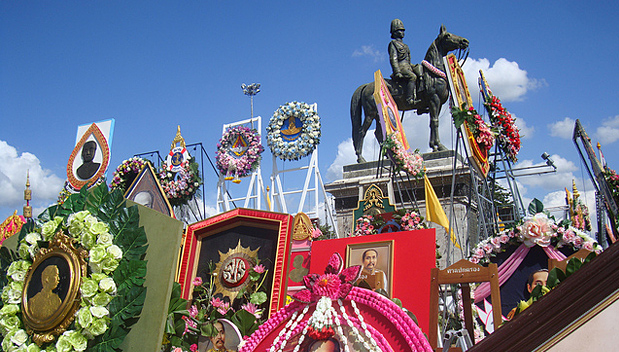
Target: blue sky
[[153, 65]]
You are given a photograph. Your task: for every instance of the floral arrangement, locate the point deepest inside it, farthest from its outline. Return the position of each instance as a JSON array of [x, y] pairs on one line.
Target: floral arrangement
[[503, 121], [112, 294], [238, 152], [613, 182], [405, 220], [180, 187], [245, 312], [539, 230], [293, 131], [333, 295], [411, 162], [480, 130], [126, 172]]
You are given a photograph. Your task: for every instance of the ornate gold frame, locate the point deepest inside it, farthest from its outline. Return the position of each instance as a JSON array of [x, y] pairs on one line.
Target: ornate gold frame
[[383, 246], [44, 330]]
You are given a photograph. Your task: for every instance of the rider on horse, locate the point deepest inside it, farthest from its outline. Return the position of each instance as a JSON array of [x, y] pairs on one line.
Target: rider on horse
[[400, 59]]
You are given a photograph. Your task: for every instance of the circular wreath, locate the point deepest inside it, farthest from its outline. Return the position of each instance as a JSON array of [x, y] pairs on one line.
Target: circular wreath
[[411, 162], [126, 172], [238, 152], [112, 294], [293, 131], [509, 134], [539, 230], [181, 186]]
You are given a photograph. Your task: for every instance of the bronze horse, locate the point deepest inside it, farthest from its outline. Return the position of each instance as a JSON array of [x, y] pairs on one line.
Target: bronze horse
[[432, 90]]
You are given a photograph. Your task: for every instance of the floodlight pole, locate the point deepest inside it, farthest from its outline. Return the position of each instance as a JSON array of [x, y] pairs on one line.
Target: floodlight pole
[[251, 90]]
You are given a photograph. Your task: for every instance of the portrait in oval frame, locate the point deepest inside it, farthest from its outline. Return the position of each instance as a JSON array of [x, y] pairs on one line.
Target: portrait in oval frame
[[51, 289]]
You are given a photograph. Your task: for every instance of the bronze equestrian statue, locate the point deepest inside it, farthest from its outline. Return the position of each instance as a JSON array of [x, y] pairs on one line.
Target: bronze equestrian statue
[[428, 80]]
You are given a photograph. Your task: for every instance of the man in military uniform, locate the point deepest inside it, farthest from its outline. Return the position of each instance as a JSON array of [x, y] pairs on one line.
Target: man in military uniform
[[400, 59], [373, 276]]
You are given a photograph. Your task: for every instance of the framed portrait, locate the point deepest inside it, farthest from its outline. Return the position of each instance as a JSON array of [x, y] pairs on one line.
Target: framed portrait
[[90, 158], [232, 242], [227, 339], [146, 190], [376, 258], [51, 288]]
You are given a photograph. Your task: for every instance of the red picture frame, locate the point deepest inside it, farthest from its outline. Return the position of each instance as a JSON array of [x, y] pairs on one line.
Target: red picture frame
[[414, 255], [276, 226]]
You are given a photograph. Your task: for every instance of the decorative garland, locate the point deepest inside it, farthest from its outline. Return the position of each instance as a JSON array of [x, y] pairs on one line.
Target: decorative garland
[[181, 186], [536, 230], [509, 134], [112, 294], [238, 152], [613, 182], [480, 130], [411, 162], [293, 131], [406, 220], [126, 172]]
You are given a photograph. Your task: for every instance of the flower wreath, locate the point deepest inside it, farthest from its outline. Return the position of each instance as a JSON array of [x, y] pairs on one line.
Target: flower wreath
[[539, 230], [180, 187], [238, 152], [509, 134], [411, 162], [112, 294], [480, 130], [286, 140], [126, 172]]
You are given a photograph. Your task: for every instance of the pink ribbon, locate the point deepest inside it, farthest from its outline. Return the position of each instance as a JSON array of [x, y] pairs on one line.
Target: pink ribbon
[[509, 266]]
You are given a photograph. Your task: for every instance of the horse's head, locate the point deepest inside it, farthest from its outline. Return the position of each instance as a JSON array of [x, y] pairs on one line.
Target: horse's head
[[446, 42]]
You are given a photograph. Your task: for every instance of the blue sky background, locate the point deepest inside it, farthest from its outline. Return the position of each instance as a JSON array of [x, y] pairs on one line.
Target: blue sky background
[[153, 65]]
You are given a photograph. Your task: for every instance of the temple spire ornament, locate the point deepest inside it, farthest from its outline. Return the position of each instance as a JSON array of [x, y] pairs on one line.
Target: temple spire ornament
[[27, 212]]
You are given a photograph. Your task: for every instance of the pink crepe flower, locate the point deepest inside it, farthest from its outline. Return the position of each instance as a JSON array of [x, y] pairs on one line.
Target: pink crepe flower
[[537, 230], [197, 281], [193, 348], [259, 268], [216, 302]]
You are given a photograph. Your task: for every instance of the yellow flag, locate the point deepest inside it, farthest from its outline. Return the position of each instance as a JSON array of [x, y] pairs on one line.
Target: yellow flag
[[435, 212]]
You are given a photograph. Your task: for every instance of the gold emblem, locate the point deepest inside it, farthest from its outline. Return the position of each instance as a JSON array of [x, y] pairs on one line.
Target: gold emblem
[[233, 270], [302, 227], [51, 289]]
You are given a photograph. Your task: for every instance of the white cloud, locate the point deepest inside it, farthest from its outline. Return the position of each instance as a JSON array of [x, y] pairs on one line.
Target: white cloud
[[506, 79], [562, 129], [370, 51], [44, 184], [609, 131], [550, 182], [346, 155], [526, 132]]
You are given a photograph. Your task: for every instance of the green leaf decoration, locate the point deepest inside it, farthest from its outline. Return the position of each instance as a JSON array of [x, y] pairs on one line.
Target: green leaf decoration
[[397, 301], [128, 306], [572, 266], [129, 273], [536, 206], [245, 321], [129, 237], [554, 277], [208, 330], [110, 341], [258, 298]]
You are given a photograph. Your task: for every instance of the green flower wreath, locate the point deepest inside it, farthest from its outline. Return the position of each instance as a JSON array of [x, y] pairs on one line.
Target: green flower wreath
[[112, 295]]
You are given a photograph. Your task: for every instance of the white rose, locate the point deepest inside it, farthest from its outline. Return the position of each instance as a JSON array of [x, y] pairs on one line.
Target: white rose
[[107, 285]]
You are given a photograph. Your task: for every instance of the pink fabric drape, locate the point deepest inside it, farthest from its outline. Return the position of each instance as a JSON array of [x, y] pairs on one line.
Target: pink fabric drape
[[510, 265]]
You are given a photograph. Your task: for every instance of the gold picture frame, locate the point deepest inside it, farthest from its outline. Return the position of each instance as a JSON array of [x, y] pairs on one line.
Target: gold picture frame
[[51, 293], [381, 275]]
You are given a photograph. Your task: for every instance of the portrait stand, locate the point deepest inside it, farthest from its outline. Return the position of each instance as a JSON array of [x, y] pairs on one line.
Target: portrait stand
[[255, 190], [278, 199], [463, 272]]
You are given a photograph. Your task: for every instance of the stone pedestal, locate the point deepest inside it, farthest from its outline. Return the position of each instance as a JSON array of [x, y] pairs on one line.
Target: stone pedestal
[[405, 194]]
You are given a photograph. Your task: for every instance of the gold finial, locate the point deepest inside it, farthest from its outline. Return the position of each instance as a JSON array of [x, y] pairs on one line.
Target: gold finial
[[178, 138], [599, 146], [27, 197], [575, 190]]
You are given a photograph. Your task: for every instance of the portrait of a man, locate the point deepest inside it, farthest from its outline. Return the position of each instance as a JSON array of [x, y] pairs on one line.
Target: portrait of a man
[[226, 339], [376, 261], [328, 345], [46, 302], [144, 198], [88, 168]]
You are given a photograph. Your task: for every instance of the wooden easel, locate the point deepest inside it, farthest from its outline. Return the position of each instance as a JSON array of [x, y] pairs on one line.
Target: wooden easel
[[463, 272], [562, 264]]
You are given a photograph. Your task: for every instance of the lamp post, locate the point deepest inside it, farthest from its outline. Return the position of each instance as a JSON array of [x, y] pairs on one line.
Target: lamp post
[[251, 90]]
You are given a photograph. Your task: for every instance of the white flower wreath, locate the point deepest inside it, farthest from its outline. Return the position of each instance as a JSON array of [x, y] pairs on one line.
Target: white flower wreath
[[293, 131], [97, 290]]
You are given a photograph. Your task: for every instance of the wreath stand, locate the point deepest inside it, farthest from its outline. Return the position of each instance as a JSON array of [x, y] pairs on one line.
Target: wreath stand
[[255, 190], [277, 197]]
